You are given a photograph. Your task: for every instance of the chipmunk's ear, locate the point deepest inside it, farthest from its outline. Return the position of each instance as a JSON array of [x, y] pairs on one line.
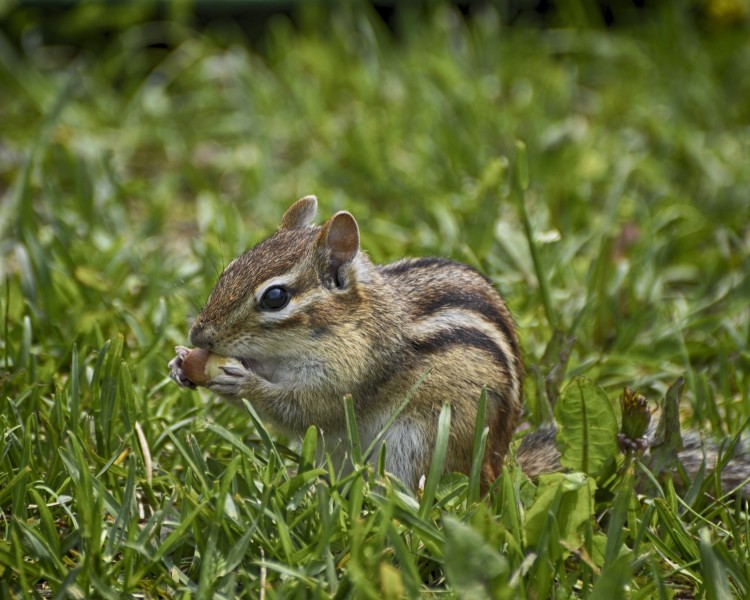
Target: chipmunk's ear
[[338, 245], [300, 214]]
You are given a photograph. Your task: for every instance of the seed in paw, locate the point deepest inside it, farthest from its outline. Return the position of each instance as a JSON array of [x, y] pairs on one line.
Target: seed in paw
[[200, 365]]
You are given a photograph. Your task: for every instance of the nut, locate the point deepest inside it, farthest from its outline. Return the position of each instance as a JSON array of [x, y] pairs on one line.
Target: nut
[[200, 365]]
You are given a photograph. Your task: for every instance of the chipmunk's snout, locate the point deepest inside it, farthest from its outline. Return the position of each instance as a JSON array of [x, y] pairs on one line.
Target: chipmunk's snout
[[201, 336]]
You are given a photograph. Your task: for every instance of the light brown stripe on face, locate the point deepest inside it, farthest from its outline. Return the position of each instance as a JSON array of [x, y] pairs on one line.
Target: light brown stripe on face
[[279, 254]]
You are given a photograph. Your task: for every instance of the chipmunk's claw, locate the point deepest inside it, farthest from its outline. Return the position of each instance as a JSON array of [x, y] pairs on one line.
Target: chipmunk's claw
[[175, 368], [235, 371], [233, 383]]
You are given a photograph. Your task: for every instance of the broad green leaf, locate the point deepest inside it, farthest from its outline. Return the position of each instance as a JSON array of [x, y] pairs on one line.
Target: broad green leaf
[[587, 436], [474, 569], [573, 507]]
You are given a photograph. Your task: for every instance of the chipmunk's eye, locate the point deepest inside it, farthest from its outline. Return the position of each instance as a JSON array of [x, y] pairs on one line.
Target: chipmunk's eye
[[274, 298]]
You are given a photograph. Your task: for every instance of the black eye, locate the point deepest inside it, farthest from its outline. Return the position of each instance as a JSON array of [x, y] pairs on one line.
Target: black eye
[[274, 298]]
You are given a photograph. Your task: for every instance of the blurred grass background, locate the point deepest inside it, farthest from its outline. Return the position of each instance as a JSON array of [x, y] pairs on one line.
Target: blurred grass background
[[143, 145]]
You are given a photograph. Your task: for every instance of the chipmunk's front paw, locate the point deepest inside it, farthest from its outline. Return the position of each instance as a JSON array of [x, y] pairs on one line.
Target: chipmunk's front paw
[[236, 382], [175, 368]]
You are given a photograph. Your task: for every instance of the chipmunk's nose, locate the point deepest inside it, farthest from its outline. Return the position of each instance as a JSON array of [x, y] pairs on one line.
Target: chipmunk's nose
[[201, 336]]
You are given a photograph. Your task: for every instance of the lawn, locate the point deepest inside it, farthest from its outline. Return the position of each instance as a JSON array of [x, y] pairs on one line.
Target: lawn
[[598, 176]]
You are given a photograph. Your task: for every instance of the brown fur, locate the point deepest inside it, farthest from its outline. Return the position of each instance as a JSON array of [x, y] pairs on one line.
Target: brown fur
[[352, 327]]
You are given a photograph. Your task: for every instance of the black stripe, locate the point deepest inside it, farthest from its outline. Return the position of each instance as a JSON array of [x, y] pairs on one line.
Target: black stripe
[[435, 299], [473, 302], [461, 337]]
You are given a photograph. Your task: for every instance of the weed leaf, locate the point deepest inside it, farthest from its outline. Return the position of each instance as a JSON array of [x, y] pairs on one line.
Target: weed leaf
[[587, 435]]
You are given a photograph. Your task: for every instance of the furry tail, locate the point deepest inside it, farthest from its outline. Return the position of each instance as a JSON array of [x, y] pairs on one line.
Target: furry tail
[[736, 471], [538, 454]]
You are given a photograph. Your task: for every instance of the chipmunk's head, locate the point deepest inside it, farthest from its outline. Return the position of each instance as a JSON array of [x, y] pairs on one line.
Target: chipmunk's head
[[288, 290]]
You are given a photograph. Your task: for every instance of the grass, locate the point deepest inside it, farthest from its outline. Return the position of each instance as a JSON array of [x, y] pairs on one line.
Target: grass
[[132, 172]]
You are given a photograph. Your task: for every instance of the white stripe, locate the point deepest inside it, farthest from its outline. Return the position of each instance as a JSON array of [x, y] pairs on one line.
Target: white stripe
[[460, 318]]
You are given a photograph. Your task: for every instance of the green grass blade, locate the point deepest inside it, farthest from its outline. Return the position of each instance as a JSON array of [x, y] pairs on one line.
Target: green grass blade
[[309, 448], [438, 461], [353, 433], [714, 571], [265, 436], [481, 433]]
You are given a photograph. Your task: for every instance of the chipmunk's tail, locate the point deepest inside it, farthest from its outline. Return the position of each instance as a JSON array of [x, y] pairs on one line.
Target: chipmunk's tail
[[736, 471], [538, 454]]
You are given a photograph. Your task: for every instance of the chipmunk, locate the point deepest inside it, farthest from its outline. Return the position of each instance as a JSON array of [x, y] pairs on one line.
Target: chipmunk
[[310, 319]]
